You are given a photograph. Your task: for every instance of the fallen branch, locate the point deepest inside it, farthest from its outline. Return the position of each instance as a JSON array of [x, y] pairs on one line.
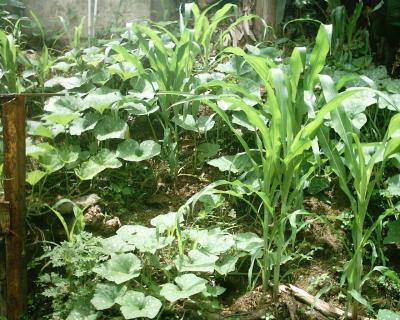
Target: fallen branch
[[325, 308]]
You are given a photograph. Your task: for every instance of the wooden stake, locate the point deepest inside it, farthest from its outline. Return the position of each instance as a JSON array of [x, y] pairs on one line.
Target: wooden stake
[[14, 188], [320, 305]]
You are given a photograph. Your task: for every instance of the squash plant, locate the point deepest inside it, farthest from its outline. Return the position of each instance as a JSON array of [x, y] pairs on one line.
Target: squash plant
[[127, 271]]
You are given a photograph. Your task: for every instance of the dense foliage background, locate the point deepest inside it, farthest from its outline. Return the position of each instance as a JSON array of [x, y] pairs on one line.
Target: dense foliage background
[[217, 163]]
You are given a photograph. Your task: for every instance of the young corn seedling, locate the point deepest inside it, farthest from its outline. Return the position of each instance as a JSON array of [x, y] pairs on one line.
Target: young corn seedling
[[356, 163], [293, 119]]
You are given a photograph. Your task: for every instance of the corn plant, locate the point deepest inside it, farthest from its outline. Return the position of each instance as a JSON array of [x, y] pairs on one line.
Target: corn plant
[[346, 37], [172, 71], [293, 118], [204, 29], [8, 64], [173, 66], [356, 163]]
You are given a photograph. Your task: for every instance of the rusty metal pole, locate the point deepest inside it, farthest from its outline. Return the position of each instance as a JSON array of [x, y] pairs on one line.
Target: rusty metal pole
[[13, 118]]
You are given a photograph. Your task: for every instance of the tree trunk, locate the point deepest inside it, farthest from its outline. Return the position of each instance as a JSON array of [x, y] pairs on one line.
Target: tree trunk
[[266, 9]]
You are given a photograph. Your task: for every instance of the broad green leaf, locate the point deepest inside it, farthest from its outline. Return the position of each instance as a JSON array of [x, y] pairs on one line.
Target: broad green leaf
[[64, 105], [213, 291], [63, 119], [235, 164], [392, 85], [93, 56], [226, 265], [131, 150], [138, 108], [125, 70], [36, 128], [196, 261], [167, 222], [51, 160], [211, 202], [216, 241], [194, 235], [269, 52], [234, 66], [201, 124], [66, 83], [375, 72], [143, 238], [101, 77], [120, 268], [35, 176], [106, 294], [93, 59], [101, 99], [248, 242], [384, 314], [340, 121], [83, 310], [135, 304], [186, 286], [86, 123], [393, 103], [203, 78], [127, 231], [42, 129], [207, 150], [35, 149], [356, 105], [63, 66], [105, 159], [393, 235], [150, 242], [394, 186], [110, 127], [141, 89], [116, 244]]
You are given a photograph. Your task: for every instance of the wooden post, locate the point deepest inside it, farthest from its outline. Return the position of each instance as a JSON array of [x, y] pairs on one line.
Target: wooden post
[[266, 9], [13, 119]]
